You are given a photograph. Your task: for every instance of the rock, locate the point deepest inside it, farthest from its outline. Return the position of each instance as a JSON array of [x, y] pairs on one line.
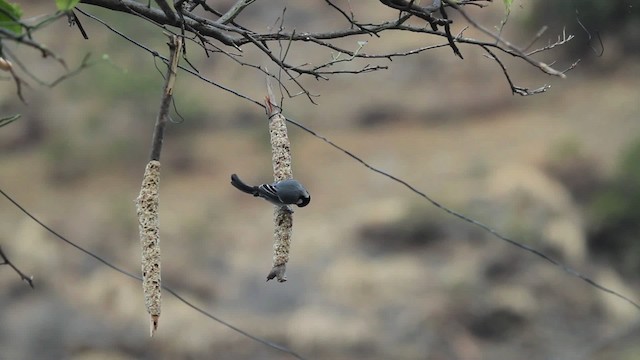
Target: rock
[[533, 208]]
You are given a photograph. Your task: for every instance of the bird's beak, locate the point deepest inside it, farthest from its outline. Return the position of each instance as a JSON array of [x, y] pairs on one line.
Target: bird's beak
[[302, 202]]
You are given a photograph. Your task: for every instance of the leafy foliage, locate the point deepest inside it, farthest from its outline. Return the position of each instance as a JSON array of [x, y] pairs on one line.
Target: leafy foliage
[[66, 5], [507, 4], [10, 13], [616, 216]]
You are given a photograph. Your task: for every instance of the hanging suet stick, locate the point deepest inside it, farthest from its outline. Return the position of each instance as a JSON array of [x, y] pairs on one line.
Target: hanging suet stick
[[281, 159], [147, 201]]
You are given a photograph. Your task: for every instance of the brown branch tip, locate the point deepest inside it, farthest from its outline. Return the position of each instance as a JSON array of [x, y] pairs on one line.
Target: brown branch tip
[[23, 276]]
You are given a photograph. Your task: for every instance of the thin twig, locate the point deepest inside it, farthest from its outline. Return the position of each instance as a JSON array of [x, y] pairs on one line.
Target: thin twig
[[83, 65], [514, 89], [350, 18], [6, 34], [18, 80], [175, 46], [73, 20], [235, 10], [561, 41], [23, 276], [536, 37], [9, 119], [447, 30], [540, 65]]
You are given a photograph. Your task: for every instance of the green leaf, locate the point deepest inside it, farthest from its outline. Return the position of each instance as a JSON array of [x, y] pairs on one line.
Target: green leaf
[[66, 5], [507, 4], [9, 14]]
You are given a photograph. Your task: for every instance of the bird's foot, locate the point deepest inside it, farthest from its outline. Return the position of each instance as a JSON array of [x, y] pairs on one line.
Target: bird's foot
[[288, 209]]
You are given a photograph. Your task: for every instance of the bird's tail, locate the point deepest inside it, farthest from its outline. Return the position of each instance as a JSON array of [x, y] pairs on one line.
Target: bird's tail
[[238, 184]]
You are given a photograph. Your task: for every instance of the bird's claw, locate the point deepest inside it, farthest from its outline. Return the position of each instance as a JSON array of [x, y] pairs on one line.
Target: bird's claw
[[287, 209]]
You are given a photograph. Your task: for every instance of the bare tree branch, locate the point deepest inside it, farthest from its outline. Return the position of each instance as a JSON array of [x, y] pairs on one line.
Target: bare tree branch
[[23, 39], [206, 28], [175, 45], [447, 31], [168, 11], [228, 33]]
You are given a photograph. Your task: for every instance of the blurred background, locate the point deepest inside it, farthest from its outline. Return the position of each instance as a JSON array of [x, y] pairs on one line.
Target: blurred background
[[376, 272]]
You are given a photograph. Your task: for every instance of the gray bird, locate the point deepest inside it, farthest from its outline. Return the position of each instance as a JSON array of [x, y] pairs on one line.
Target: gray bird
[[280, 193]]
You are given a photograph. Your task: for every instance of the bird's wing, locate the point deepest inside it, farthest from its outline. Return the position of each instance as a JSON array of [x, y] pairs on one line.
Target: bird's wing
[[269, 192]]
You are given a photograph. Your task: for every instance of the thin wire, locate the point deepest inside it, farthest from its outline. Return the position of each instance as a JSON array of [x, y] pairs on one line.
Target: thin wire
[[168, 289], [487, 228]]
